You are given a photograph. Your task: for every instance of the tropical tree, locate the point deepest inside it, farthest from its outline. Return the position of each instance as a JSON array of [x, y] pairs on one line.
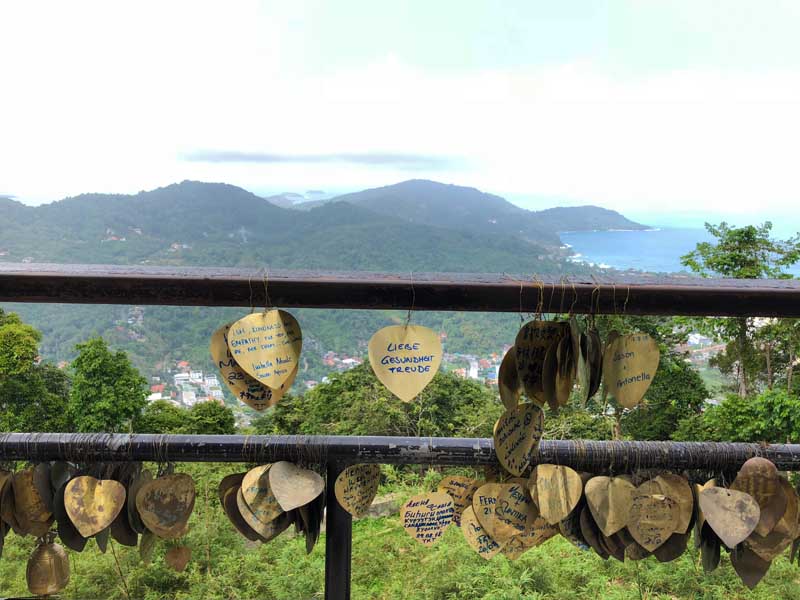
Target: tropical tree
[[210, 418], [161, 416], [107, 391], [33, 395], [746, 253]]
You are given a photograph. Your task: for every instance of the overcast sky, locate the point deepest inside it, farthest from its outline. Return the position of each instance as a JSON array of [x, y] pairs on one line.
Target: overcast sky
[[646, 107]]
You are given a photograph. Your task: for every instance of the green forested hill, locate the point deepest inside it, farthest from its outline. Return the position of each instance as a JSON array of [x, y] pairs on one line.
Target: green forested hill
[[222, 225], [215, 224], [468, 209]]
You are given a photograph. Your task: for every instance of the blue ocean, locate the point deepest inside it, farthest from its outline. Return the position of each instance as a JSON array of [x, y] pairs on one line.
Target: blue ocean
[[653, 250]]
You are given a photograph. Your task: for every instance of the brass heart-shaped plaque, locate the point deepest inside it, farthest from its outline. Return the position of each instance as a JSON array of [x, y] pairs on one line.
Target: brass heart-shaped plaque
[[484, 502], [461, 489], [516, 436], [122, 531], [531, 344], [67, 532], [228, 482], [558, 491], [476, 536], [673, 548], [749, 566], [265, 531], [652, 519], [405, 358], [591, 533], [629, 365], [758, 477], [29, 504], [247, 389], [258, 495], [539, 532], [267, 346], [508, 380], [570, 528], [786, 530], [134, 518], [178, 557], [677, 488], [564, 377], [292, 486], [230, 505], [504, 509], [733, 515], [41, 481], [92, 504], [614, 545], [426, 516], [609, 499], [356, 486], [515, 511], [700, 518], [166, 503]]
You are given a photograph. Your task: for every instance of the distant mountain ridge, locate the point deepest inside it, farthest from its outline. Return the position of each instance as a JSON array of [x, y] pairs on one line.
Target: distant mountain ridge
[[216, 224], [465, 208], [413, 225]]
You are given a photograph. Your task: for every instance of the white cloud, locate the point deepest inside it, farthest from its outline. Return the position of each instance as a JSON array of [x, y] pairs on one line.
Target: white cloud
[[113, 104]]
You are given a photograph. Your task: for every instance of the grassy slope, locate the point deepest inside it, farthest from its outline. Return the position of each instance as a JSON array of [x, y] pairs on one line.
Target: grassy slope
[[387, 564]]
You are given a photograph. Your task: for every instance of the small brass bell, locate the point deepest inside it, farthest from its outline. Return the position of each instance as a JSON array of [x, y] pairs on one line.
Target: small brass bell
[[48, 569]]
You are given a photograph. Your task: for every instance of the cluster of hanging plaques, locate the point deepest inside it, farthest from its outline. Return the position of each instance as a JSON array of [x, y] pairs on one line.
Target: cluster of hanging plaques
[[548, 360], [127, 503], [626, 517], [258, 356], [754, 519], [123, 502], [263, 502]]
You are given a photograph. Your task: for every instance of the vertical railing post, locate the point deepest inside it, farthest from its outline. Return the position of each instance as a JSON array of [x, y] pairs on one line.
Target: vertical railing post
[[338, 541]]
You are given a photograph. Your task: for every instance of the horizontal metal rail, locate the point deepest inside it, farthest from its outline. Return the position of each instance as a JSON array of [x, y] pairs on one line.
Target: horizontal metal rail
[[594, 456], [198, 286]]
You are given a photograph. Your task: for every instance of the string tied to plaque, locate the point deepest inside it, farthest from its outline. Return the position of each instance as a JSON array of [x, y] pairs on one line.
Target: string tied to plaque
[[250, 287], [267, 300], [413, 300], [563, 282], [594, 301], [627, 297], [165, 467], [574, 298], [539, 310]]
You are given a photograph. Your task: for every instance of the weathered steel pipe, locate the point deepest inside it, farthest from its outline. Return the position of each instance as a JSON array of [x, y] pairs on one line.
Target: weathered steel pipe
[[585, 455], [202, 286]]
